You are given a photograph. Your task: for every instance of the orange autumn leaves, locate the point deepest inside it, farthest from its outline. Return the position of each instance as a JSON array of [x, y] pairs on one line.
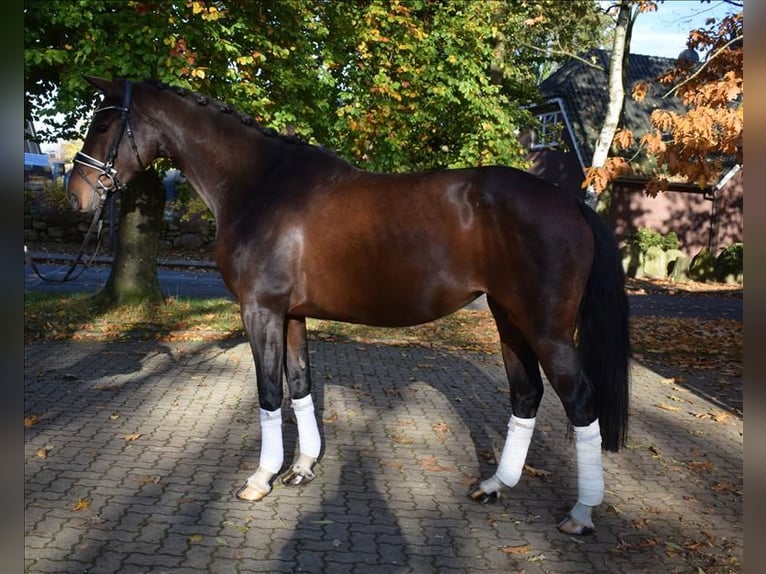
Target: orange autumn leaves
[[689, 146]]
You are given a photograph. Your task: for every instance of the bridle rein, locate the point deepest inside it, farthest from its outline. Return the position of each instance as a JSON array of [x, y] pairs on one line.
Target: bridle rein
[[107, 183]]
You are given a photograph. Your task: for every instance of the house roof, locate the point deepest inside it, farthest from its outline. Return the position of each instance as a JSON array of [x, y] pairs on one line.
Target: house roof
[[584, 92]]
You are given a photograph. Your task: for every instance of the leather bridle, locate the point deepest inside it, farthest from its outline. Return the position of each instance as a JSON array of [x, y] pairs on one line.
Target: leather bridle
[[107, 182]]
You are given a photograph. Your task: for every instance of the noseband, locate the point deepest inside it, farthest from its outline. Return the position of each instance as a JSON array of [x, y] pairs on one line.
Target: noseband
[[107, 182]]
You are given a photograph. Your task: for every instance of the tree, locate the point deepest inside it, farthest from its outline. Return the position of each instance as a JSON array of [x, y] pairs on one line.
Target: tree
[[602, 167], [64, 41], [713, 91], [689, 147], [389, 84]]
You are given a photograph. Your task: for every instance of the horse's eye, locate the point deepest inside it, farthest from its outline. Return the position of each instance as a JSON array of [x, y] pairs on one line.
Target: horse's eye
[[102, 128]]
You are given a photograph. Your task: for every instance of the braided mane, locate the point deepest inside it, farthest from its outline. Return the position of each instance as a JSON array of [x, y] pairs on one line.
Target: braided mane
[[224, 108]]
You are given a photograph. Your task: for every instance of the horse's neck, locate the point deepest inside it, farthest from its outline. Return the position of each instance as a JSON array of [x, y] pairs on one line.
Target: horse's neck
[[214, 163]]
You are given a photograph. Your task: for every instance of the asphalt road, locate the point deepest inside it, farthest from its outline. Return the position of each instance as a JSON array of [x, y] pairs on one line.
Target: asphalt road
[[203, 280]]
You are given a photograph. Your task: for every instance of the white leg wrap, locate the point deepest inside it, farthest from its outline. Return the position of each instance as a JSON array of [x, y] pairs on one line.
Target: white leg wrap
[[272, 451], [515, 450], [309, 441], [590, 474]]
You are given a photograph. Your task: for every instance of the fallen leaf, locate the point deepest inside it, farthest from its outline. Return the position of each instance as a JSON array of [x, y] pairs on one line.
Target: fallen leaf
[[522, 549], [488, 456], [703, 467], [400, 438], [672, 546], [665, 407], [42, 452], [132, 436], [432, 463], [31, 420], [329, 419], [639, 523], [195, 538], [724, 487], [81, 504], [536, 472], [147, 478], [114, 416]]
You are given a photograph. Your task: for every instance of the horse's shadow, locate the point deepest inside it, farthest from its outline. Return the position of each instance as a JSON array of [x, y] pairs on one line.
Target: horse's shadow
[[392, 378], [395, 389]]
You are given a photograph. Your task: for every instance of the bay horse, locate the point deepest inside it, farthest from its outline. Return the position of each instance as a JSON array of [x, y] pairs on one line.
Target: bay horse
[[302, 233]]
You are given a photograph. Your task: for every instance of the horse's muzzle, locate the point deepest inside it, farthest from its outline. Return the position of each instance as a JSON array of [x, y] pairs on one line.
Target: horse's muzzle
[[74, 201]]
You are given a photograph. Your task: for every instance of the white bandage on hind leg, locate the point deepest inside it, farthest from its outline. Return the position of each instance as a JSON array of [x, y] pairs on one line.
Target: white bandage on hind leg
[[272, 451], [309, 441], [515, 450], [590, 474]]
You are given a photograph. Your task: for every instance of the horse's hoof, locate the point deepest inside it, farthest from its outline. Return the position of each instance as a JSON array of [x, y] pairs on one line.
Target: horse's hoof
[[476, 494], [573, 526], [296, 477], [251, 494]]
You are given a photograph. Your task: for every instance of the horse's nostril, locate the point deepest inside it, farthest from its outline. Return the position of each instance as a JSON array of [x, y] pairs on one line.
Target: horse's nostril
[[74, 201]]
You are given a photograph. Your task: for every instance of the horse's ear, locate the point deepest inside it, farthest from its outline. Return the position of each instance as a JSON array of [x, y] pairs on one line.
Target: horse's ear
[[106, 86]]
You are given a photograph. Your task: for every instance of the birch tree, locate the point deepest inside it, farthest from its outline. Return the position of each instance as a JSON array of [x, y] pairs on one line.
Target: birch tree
[[620, 54]]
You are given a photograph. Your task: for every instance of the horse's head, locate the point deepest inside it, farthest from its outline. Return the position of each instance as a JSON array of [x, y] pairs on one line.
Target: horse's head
[[111, 154]]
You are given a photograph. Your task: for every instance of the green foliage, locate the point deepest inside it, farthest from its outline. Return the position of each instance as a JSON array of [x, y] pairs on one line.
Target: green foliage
[[389, 84], [645, 238], [51, 199], [729, 265], [703, 266]]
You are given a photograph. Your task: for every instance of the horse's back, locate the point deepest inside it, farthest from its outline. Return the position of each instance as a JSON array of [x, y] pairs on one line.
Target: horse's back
[[405, 249]]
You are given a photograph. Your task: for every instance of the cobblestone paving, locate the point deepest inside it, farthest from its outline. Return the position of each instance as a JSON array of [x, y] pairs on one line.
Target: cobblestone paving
[[140, 446]]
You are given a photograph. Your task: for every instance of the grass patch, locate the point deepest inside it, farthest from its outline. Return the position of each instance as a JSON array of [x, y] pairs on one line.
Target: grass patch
[[464, 330], [687, 344], [51, 317]]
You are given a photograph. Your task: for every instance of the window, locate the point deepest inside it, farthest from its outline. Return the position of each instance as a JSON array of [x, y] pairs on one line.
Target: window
[[548, 134]]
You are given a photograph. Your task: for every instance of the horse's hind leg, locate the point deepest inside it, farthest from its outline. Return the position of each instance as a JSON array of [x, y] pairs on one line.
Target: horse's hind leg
[[526, 386], [562, 368], [299, 383]]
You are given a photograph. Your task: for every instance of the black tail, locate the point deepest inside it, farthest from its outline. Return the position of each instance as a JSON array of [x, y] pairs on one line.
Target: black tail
[[604, 338]]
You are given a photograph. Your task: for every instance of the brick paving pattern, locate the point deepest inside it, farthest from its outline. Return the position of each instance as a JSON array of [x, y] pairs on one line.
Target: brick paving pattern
[[140, 447]]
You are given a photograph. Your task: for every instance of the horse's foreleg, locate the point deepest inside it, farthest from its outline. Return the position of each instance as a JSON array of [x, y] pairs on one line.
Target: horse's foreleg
[[511, 461], [265, 331], [576, 393], [299, 381], [526, 393]]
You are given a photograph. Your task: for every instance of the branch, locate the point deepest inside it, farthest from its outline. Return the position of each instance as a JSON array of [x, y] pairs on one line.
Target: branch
[[703, 66], [564, 53]]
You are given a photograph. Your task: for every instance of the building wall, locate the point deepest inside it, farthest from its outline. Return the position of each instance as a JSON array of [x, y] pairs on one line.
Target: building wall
[[558, 166], [698, 219]]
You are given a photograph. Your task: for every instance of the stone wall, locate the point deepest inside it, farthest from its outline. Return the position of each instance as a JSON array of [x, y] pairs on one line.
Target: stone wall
[[53, 226]]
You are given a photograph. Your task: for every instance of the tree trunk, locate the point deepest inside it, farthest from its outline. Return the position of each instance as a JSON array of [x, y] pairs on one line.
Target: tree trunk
[[617, 61], [133, 277]]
